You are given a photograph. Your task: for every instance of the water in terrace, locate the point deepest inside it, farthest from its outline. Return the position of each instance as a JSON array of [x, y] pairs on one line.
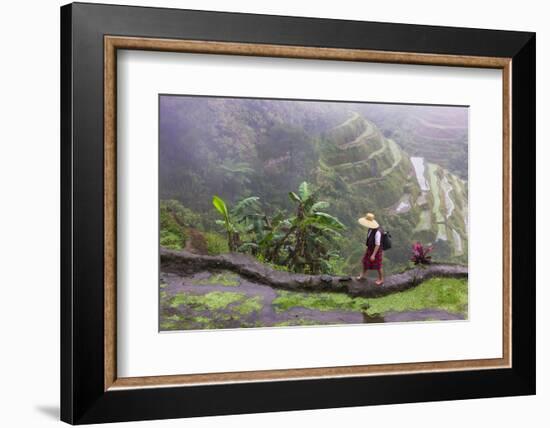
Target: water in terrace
[[419, 168], [447, 188], [458, 242]]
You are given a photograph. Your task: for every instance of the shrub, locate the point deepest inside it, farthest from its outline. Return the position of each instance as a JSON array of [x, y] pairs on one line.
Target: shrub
[[174, 219], [172, 235], [183, 214], [216, 243], [170, 240], [274, 266], [420, 254]]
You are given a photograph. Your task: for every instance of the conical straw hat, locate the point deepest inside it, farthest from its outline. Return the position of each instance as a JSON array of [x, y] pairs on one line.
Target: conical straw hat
[[368, 221]]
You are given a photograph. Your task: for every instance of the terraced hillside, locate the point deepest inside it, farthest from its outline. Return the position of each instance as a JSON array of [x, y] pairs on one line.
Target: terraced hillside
[[437, 133], [362, 170], [407, 164]]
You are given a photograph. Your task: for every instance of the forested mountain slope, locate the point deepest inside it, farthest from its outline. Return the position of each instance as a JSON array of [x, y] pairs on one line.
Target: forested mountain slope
[[237, 148]]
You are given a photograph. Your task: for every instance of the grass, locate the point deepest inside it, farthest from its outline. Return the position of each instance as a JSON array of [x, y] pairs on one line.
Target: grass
[[213, 301], [226, 279], [216, 243], [286, 300], [447, 294], [382, 148], [217, 309], [251, 304]]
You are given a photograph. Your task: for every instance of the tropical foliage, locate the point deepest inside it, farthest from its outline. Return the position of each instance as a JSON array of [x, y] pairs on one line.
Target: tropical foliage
[[357, 157], [302, 242], [420, 254]]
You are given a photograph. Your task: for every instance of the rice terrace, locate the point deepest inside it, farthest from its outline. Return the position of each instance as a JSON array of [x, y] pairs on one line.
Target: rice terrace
[[261, 208]]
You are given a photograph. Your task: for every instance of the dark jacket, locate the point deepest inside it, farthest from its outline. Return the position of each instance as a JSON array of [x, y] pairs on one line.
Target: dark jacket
[[370, 237]]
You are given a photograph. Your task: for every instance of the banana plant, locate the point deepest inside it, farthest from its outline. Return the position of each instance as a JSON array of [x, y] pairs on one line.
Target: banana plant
[[239, 220], [303, 242], [230, 227], [309, 233]]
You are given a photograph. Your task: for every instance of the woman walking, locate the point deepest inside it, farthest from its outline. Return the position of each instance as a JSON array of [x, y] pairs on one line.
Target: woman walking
[[372, 260]]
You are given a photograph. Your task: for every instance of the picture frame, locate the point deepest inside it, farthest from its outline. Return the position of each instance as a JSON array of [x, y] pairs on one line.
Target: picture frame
[[91, 390]]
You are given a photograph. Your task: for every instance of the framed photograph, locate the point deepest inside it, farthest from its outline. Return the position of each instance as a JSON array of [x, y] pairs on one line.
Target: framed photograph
[[266, 213]]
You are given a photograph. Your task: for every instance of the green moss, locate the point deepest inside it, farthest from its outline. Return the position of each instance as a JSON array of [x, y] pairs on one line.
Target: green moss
[[216, 243], [226, 279], [168, 325], [252, 304], [286, 300], [438, 293], [174, 317], [212, 310], [448, 294], [213, 301]]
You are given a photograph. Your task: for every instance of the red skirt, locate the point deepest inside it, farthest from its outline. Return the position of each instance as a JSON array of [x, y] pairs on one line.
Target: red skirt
[[376, 264]]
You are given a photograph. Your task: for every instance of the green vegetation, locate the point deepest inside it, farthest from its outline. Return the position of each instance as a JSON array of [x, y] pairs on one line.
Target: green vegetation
[[175, 223], [356, 157], [396, 153], [217, 309], [308, 235], [227, 279], [302, 242], [227, 222], [447, 294], [424, 221], [434, 186], [216, 243], [229, 309], [319, 301], [244, 219], [172, 233], [438, 293], [251, 304], [209, 302]]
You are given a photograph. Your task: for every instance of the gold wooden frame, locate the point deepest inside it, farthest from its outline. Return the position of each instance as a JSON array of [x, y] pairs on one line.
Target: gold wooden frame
[[113, 43]]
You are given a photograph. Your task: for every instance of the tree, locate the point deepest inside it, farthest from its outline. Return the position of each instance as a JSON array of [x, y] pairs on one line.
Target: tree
[[230, 228], [304, 241], [236, 175], [238, 220]]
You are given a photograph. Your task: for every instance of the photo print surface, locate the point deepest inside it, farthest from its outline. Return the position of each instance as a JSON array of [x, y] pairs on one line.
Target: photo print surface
[[279, 213]]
